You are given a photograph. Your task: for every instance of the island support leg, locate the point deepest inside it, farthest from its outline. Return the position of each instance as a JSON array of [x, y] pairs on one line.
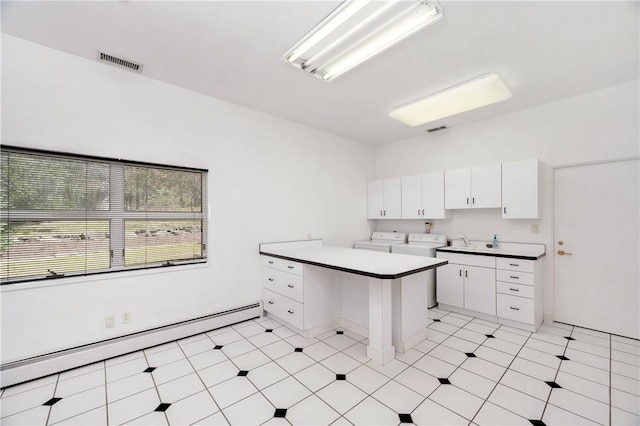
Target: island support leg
[[380, 348]]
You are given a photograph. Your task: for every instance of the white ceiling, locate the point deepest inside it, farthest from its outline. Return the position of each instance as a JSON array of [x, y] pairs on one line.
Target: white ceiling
[[544, 50]]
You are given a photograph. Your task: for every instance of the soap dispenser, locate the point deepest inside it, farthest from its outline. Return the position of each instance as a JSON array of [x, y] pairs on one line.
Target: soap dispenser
[[495, 241]]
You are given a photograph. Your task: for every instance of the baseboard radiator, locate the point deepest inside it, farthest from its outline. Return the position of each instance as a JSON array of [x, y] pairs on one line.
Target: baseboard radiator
[[43, 365]]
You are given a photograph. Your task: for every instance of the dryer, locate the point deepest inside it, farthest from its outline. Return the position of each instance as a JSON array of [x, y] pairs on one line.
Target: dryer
[[382, 241], [424, 245]]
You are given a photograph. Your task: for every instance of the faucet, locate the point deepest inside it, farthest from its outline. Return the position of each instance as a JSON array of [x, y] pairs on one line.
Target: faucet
[[465, 239]]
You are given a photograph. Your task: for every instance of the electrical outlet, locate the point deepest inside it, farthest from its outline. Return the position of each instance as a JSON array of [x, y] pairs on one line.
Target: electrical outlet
[[109, 321], [534, 229], [126, 317]]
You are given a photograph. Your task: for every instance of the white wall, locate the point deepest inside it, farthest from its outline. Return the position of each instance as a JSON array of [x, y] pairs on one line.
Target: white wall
[[269, 180], [597, 126]]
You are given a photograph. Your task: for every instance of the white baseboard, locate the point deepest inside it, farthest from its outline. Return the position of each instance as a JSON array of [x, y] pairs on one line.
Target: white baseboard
[[44, 365]]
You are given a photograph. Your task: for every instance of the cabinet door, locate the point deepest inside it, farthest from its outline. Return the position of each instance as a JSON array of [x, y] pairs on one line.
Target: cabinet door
[[433, 196], [375, 205], [486, 186], [392, 196], [411, 197], [480, 289], [521, 189], [450, 285], [457, 189]]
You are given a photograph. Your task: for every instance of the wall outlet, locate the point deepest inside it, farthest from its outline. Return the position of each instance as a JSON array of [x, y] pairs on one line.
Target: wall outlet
[[126, 317], [534, 229], [109, 321]]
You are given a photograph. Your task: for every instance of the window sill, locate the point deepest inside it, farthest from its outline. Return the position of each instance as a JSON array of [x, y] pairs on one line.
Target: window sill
[[116, 275]]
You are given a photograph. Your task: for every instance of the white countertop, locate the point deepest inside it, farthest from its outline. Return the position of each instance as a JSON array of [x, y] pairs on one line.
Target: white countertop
[[512, 250], [361, 262]]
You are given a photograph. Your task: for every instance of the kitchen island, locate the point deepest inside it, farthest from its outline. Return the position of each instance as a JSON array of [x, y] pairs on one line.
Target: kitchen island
[[302, 286]]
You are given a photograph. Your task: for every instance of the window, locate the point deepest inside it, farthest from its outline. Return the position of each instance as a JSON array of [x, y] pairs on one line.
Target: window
[[67, 215]]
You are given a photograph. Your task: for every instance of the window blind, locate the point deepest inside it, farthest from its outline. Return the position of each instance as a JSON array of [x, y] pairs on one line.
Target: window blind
[[65, 215]]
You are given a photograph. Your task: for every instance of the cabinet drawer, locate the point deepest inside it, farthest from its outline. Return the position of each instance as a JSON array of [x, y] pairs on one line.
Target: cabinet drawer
[[515, 289], [284, 308], [517, 277], [285, 283], [282, 264], [515, 308], [510, 264]]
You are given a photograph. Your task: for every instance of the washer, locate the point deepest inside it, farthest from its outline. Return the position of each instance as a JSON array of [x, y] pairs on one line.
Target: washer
[[424, 245], [382, 241]]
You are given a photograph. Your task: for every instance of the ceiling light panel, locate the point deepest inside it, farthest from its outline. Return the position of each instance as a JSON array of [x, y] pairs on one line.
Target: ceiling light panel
[[481, 91], [357, 31]]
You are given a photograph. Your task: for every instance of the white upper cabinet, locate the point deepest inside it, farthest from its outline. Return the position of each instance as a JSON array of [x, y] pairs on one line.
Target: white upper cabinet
[[521, 189], [384, 199], [478, 187], [423, 197]]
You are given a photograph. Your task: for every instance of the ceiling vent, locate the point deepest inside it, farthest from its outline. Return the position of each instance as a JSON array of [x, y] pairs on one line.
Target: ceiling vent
[[119, 62], [436, 129]]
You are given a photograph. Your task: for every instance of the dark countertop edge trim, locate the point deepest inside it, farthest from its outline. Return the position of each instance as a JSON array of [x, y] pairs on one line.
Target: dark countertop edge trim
[[477, 253], [356, 272]]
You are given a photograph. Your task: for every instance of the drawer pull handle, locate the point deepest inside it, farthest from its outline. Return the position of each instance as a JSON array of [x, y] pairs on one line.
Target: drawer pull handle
[[271, 262], [460, 272], [290, 267], [271, 302], [467, 200], [515, 309], [514, 289], [514, 264], [271, 279], [290, 311], [290, 285], [514, 277]]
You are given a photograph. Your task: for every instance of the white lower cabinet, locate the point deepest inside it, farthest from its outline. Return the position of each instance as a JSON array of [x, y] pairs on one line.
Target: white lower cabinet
[[467, 282], [304, 296], [505, 290]]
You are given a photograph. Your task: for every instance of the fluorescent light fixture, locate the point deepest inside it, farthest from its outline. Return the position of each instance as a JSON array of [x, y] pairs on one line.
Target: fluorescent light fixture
[[481, 91], [357, 31]]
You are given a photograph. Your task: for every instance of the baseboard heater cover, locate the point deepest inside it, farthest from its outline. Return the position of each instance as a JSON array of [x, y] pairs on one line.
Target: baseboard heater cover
[[44, 365]]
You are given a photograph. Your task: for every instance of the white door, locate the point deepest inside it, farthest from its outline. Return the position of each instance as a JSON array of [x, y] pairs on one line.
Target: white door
[[411, 197], [596, 247], [457, 189], [486, 186], [375, 203]]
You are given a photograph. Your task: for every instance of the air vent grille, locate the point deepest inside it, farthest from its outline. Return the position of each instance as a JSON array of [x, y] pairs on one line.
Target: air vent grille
[[119, 62], [436, 129]]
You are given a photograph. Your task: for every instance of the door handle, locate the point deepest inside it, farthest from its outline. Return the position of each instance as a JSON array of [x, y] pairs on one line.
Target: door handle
[[563, 253]]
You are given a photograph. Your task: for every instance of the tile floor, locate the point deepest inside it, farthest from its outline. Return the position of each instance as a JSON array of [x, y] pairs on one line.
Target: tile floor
[[467, 371]]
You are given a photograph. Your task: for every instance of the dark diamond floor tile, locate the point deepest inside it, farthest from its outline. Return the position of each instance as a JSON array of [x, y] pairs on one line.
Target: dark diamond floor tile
[[554, 385], [218, 347], [269, 330], [405, 418], [562, 357], [52, 401], [569, 338], [470, 354], [163, 407], [242, 373], [341, 377], [444, 381], [490, 336], [298, 350], [339, 332], [436, 320], [537, 422], [280, 412], [149, 370]]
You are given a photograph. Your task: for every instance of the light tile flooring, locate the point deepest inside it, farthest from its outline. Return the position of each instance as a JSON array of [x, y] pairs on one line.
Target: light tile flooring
[[467, 371]]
